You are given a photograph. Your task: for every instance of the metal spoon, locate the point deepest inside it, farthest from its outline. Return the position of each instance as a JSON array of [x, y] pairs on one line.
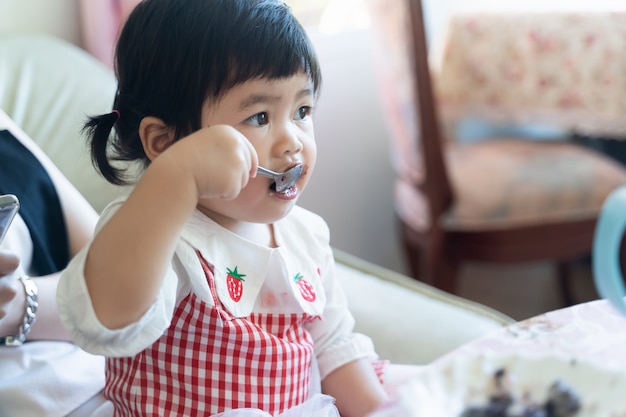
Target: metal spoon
[[283, 180]]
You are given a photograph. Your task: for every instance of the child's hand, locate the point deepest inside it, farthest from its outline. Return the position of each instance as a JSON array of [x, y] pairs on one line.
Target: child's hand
[[222, 160]]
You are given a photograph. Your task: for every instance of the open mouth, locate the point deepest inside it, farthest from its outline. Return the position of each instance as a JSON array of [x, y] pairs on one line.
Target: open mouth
[[285, 191], [284, 183]]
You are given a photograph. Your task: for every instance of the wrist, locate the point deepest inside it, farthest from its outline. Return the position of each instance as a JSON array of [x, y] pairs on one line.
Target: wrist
[[29, 314]]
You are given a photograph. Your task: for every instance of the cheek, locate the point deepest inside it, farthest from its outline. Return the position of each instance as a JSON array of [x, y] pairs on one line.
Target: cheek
[[257, 188], [311, 161], [310, 151]]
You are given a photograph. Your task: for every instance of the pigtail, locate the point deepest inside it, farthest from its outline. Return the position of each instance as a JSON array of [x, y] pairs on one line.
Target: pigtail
[[98, 129]]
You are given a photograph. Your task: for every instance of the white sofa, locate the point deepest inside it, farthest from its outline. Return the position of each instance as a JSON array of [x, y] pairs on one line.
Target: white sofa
[[47, 86]]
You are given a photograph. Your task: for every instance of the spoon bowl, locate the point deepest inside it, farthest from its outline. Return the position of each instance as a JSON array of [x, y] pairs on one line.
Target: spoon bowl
[[283, 180]]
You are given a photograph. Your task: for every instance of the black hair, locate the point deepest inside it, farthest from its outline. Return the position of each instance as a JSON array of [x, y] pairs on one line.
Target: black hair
[[174, 55]]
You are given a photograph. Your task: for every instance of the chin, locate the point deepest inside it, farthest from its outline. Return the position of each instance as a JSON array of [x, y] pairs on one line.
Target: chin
[[273, 215]]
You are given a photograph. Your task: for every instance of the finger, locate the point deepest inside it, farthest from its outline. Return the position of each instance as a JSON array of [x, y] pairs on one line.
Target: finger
[[254, 161], [9, 261], [253, 157]]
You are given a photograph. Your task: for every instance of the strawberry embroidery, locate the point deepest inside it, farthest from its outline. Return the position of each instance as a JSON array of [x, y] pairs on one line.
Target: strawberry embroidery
[[234, 282], [305, 287]]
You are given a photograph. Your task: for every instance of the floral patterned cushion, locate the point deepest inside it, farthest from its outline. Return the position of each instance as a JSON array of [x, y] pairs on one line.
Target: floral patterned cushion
[[500, 183], [564, 68]]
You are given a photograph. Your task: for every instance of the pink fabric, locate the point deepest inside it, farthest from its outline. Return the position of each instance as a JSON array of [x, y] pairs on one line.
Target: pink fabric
[[592, 332], [101, 21]]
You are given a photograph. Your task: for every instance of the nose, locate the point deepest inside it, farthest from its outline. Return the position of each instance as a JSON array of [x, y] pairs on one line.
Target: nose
[[287, 141]]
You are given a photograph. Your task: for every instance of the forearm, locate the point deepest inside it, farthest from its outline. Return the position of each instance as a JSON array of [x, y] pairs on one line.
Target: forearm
[[47, 326], [129, 256], [356, 388]]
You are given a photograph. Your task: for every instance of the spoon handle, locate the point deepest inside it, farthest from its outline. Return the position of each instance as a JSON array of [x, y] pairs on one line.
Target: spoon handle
[[266, 172]]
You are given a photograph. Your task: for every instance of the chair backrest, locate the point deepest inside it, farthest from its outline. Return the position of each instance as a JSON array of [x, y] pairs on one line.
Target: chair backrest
[[404, 74], [437, 184]]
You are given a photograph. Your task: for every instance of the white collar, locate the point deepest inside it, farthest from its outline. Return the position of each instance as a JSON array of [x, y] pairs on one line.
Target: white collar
[[269, 284]]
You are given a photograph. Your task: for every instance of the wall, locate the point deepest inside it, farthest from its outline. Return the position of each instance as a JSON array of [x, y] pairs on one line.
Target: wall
[[57, 17], [352, 185]]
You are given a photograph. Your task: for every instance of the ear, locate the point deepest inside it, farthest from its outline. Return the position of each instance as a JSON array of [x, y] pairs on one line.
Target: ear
[[155, 136]]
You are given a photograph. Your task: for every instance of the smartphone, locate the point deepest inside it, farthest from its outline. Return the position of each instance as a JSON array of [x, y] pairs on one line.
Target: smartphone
[[9, 206]]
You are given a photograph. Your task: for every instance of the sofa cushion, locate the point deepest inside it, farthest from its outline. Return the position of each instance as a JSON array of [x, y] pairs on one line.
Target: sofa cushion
[[410, 322], [48, 87]]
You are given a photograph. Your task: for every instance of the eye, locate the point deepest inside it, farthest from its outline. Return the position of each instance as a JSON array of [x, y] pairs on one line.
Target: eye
[[259, 119], [304, 112]]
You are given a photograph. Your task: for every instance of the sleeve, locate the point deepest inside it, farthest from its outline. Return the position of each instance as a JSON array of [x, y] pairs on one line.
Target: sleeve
[[335, 342], [80, 320]]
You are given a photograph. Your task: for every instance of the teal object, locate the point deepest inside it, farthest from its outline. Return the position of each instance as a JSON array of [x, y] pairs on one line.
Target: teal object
[[610, 228]]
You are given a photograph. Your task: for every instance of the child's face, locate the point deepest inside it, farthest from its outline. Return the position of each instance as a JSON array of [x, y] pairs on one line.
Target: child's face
[[276, 117]]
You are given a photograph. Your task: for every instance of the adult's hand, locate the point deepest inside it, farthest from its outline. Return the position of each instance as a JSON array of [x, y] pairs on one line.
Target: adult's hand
[[9, 262]]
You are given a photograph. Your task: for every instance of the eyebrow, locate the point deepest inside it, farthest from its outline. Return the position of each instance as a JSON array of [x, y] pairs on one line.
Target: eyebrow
[[264, 98]]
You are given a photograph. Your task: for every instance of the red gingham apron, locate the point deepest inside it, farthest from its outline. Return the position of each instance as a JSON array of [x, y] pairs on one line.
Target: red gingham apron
[[208, 362]]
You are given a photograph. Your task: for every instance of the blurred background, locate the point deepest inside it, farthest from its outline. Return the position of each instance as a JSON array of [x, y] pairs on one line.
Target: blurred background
[[354, 146], [353, 184]]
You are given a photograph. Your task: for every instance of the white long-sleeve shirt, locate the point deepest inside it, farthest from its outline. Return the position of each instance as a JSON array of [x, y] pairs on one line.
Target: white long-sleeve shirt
[[269, 288]]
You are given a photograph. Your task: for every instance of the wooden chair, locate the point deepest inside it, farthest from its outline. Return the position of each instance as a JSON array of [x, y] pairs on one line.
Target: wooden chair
[[498, 200]]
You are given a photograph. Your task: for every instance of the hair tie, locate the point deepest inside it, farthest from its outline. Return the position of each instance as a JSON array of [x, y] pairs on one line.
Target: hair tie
[[117, 112]]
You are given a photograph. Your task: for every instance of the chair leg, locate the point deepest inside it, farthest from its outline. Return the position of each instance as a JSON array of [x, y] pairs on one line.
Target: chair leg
[[442, 269], [414, 249], [427, 259], [565, 284], [444, 275], [414, 260]]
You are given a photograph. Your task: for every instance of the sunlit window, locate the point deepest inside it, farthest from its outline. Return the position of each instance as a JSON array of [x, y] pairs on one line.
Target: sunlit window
[[330, 16]]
